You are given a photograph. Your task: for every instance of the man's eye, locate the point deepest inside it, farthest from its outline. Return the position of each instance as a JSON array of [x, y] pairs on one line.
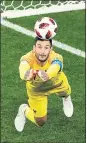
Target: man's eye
[[46, 47], [39, 47]]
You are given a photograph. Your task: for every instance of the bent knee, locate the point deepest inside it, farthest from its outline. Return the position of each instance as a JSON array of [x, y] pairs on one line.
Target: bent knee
[[63, 94], [41, 121]]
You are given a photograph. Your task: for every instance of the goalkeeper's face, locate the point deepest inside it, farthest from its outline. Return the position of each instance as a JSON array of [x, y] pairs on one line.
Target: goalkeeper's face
[[42, 50]]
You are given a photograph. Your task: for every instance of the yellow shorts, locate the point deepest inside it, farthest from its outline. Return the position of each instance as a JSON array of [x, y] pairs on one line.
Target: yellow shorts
[[39, 107], [38, 99]]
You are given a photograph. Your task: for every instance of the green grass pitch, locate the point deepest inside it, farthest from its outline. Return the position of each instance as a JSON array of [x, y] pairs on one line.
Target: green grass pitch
[[58, 129]]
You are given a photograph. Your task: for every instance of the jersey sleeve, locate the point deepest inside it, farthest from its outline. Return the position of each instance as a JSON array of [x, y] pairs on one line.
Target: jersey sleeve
[[56, 65], [25, 64], [58, 60], [23, 68], [27, 58]]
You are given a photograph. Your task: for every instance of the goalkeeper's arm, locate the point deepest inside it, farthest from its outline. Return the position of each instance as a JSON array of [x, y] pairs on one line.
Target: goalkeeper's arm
[[25, 72], [52, 71], [54, 68]]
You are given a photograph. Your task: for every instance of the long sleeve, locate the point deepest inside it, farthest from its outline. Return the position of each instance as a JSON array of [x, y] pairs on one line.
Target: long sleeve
[[23, 67], [53, 70], [56, 66]]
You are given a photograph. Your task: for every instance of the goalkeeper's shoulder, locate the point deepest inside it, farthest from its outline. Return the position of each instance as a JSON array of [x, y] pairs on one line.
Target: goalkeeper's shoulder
[[27, 57], [56, 56]]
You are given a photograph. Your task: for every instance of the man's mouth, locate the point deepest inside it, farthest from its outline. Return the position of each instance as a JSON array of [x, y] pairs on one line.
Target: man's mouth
[[42, 56]]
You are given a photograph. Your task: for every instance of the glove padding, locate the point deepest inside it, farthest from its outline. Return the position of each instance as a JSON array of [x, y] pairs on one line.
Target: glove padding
[[30, 74], [43, 75]]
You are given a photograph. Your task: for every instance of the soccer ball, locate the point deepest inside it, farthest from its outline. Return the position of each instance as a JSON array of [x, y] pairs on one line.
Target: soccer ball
[[45, 28]]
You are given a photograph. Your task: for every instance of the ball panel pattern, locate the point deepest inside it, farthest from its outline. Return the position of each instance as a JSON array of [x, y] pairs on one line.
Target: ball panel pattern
[[45, 28]]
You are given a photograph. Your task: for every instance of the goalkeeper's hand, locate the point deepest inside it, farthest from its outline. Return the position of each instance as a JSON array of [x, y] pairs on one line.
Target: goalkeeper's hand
[[30, 74], [43, 75]]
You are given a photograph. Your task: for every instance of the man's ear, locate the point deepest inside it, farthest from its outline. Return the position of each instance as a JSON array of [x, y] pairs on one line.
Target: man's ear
[[51, 48]]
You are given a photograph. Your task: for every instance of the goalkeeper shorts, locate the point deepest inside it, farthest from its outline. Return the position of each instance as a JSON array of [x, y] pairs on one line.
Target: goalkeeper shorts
[[38, 106]]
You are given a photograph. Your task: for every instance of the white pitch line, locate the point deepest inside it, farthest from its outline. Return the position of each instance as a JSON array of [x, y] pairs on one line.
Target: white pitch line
[[32, 34]]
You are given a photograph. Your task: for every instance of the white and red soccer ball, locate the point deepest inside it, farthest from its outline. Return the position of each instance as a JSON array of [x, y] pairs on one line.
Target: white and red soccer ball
[[45, 28]]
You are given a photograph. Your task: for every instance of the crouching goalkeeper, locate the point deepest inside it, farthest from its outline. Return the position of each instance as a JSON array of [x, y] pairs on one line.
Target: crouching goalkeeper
[[41, 69]]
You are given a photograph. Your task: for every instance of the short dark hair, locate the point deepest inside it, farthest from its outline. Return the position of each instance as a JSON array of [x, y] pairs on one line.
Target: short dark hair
[[37, 38]]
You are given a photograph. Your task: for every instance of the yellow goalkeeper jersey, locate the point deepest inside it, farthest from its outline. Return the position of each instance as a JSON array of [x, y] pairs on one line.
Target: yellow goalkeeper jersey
[[32, 60], [55, 84]]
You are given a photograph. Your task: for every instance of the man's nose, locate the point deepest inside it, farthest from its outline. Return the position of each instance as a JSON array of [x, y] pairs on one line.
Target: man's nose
[[42, 50]]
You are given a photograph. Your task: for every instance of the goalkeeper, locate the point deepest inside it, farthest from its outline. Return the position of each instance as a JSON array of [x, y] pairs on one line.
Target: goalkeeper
[[41, 69]]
